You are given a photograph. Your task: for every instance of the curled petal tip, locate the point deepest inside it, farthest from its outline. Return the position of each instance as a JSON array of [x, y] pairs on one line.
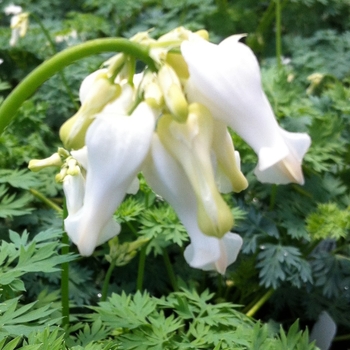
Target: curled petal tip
[[283, 166]]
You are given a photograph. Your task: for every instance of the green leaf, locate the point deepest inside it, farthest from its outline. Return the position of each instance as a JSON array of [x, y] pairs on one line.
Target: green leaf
[[328, 221], [278, 263], [162, 227], [22, 320], [12, 205], [19, 178]]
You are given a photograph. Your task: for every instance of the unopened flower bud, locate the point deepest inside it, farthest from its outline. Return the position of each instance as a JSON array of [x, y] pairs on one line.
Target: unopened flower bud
[[152, 92], [72, 132], [38, 164], [61, 175], [173, 94]]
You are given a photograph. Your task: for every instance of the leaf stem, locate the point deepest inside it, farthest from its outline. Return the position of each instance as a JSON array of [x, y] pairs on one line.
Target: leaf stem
[[141, 269], [170, 270], [260, 303], [278, 34], [45, 200], [65, 277], [61, 60], [342, 337], [106, 281]]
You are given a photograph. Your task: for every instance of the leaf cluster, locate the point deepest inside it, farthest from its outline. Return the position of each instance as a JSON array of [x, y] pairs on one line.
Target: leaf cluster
[[188, 320], [21, 256]]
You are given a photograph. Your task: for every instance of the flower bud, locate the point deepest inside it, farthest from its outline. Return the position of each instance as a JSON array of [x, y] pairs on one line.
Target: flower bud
[[174, 96], [38, 164], [102, 92]]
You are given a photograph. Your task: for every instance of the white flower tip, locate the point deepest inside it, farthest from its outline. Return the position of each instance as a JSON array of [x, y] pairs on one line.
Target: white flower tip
[[232, 244], [283, 165], [88, 234], [214, 254], [233, 39], [87, 246], [13, 10]]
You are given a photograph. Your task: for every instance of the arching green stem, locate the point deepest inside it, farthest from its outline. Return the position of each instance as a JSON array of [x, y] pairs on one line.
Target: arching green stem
[[61, 60]]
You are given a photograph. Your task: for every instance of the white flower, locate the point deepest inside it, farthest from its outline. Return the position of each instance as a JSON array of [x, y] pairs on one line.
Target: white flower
[[19, 23], [190, 143], [116, 148], [12, 10], [167, 178], [226, 79]]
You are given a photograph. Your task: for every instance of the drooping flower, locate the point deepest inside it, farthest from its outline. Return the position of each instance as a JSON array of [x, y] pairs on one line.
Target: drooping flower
[[167, 178], [226, 79], [190, 143], [191, 99], [19, 22], [116, 148]]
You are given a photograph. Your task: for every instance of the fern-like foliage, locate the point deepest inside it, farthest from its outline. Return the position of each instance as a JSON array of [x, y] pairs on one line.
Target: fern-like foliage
[[21, 256], [188, 320]]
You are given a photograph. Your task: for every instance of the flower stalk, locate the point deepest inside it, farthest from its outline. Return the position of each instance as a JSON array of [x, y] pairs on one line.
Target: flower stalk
[[278, 34], [256, 307], [65, 277], [61, 60]]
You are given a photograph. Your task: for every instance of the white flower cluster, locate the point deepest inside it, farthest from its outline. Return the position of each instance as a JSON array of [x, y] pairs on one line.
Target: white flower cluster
[[171, 125], [19, 22]]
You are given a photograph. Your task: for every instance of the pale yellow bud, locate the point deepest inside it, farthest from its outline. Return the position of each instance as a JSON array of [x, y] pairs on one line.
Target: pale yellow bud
[[72, 167], [173, 94], [61, 175], [226, 158], [63, 153], [315, 80], [122, 254], [72, 132], [177, 62], [20, 22], [152, 92], [203, 34], [114, 64], [38, 164]]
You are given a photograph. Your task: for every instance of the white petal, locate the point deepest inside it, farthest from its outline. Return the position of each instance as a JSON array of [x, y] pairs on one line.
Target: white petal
[[228, 246], [88, 84], [116, 150], [74, 189], [12, 10], [226, 79], [168, 179], [76, 224], [122, 104], [81, 156]]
